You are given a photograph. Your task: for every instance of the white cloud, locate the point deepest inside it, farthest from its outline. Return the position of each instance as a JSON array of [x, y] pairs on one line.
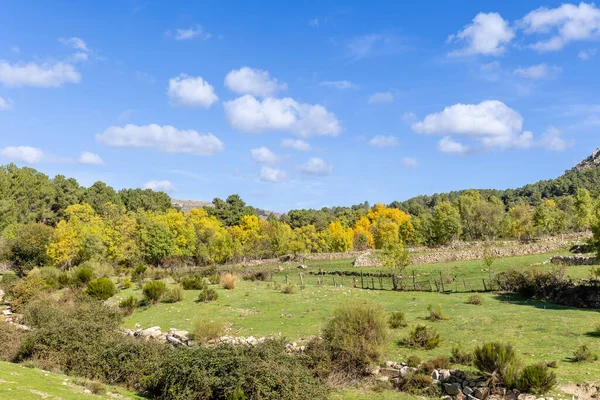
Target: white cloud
[[274, 175], [249, 114], [164, 138], [75, 42], [383, 141], [410, 162], [488, 34], [449, 145], [339, 84], [552, 140], [192, 91], [79, 57], [381, 97], [567, 23], [191, 33], [540, 71], [296, 144], [409, 117], [5, 104], [264, 156], [316, 167], [587, 54], [38, 75], [372, 45], [27, 154], [90, 158], [160, 186], [253, 81]]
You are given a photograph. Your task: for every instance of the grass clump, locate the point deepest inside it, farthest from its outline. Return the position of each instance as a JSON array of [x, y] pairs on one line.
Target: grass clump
[[584, 354], [154, 291], [101, 289], [423, 337], [288, 288], [461, 356], [193, 282], [228, 281], [206, 331], [173, 294], [413, 361], [536, 379], [129, 304], [436, 314], [475, 299], [208, 295], [397, 320], [498, 360], [418, 383], [356, 337]]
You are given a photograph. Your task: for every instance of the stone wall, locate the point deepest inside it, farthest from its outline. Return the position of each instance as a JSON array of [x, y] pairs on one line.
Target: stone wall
[[573, 260]]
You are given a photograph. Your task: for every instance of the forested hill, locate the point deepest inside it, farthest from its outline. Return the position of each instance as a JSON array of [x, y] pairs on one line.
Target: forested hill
[[584, 175]]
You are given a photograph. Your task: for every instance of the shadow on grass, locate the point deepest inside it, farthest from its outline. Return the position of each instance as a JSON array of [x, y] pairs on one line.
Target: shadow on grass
[[541, 304]]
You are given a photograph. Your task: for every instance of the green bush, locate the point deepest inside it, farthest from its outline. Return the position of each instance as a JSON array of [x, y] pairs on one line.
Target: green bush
[[435, 314], [461, 356], [498, 359], [288, 288], [154, 291], [356, 336], [25, 290], [584, 354], [397, 319], [441, 362], [28, 247], [101, 289], [193, 282], [11, 338], [174, 294], [129, 304], [475, 299], [317, 357], [416, 383], [413, 361], [207, 295], [139, 272], [208, 330], [9, 278], [83, 275], [262, 276], [536, 379], [424, 337], [64, 279]]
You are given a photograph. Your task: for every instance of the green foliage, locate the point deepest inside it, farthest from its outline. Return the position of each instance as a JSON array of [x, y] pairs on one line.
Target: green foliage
[[397, 320], [174, 294], [145, 199], [193, 282], [129, 304], [101, 289], [356, 336], [441, 362], [413, 361], [208, 295], [416, 383], [584, 354], [475, 299], [498, 359], [28, 247], [206, 331], [461, 356], [436, 314], [154, 291], [83, 275], [288, 288], [23, 291], [423, 337], [536, 379], [9, 278], [11, 338], [231, 211]]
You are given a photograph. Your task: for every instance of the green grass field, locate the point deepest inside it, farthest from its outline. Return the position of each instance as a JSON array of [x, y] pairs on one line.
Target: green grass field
[[22, 383]]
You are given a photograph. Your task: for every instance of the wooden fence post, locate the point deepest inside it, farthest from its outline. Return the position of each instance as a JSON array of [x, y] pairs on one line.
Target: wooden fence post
[[334, 283], [301, 280], [362, 285], [286, 279]]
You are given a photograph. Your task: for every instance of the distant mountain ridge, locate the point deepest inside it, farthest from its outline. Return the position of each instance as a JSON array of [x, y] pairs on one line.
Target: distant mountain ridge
[[590, 162]]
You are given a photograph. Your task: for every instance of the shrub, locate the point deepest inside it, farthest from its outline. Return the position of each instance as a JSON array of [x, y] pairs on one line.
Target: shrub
[[139, 272], [154, 291], [288, 288], [206, 331], [441, 362], [25, 290], [101, 269], [174, 294], [584, 354], [207, 295], [435, 314], [9, 278], [475, 299], [397, 319], [127, 284], [28, 247], [101, 289], [413, 361], [499, 359], [64, 279], [426, 368], [356, 336], [11, 338], [228, 281], [262, 276], [193, 282], [417, 383], [129, 304], [317, 357], [461, 356], [83, 275], [424, 337], [536, 379]]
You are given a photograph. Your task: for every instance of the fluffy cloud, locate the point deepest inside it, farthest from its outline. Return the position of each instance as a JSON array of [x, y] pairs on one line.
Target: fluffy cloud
[[75, 42], [253, 81], [488, 34], [164, 138], [249, 114], [5, 104], [552, 140], [410, 162], [191, 33], [26, 154], [274, 175], [540, 71], [383, 141], [338, 84], [316, 167], [264, 156], [192, 91], [296, 144], [38, 75], [449, 145], [160, 186], [567, 23], [90, 158], [381, 97]]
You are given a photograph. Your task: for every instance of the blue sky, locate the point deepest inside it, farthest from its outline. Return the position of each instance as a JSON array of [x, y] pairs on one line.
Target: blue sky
[[315, 104]]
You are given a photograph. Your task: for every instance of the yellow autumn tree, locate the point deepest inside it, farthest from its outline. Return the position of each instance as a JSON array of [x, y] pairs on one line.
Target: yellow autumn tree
[[363, 237], [213, 242], [341, 239]]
